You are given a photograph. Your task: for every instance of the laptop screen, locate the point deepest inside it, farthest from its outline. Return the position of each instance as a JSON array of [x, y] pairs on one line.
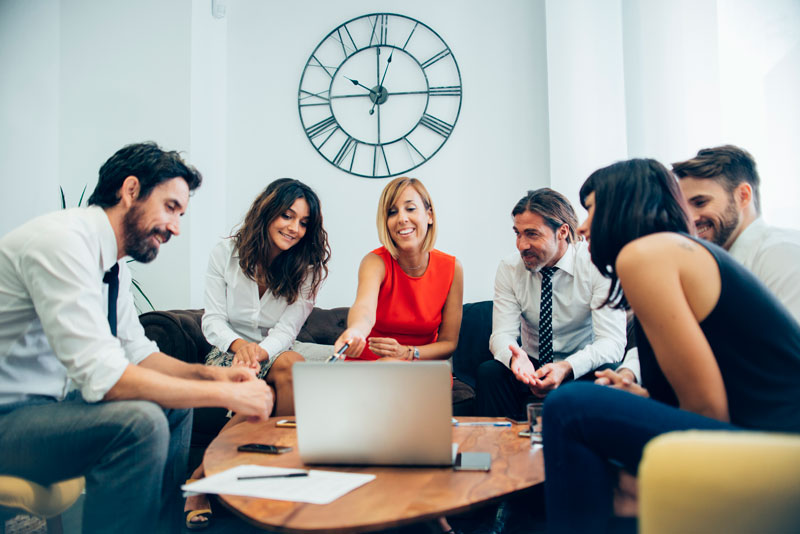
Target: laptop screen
[[374, 413]]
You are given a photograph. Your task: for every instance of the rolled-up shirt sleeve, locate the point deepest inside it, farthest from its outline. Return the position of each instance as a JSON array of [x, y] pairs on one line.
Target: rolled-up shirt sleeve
[[608, 332], [66, 288], [506, 315]]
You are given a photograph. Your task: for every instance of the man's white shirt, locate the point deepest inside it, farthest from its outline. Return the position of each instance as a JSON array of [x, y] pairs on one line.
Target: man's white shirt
[[773, 255], [584, 333], [54, 309]]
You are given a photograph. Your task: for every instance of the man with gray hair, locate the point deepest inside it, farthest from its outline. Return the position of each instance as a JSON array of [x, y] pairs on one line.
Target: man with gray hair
[[549, 296]]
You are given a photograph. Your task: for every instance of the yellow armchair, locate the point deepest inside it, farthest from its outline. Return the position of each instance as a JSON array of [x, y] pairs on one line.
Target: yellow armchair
[[731, 482], [47, 502]]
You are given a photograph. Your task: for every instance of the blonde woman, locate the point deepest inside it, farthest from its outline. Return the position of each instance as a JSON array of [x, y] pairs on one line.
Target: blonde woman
[[409, 297]]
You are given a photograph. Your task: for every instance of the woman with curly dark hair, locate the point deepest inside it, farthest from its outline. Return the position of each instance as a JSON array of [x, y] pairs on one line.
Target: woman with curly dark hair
[[260, 288]]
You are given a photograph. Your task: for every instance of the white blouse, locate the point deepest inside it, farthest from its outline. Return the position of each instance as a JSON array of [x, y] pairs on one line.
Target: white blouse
[[234, 310]]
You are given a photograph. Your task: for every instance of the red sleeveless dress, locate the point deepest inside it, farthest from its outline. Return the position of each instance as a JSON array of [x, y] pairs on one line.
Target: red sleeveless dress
[[410, 308]]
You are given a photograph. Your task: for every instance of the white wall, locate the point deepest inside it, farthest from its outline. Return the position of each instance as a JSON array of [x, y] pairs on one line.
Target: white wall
[[497, 151], [586, 81], [29, 106], [552, 90]]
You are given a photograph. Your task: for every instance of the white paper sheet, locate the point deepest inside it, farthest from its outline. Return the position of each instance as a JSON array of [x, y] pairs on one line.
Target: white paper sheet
[[319, 487]]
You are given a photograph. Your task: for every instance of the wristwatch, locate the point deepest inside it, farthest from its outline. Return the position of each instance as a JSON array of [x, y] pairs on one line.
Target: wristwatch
[[416, 353]]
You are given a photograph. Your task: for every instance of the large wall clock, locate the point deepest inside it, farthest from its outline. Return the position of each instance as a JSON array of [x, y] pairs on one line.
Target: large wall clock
[[380, 95]]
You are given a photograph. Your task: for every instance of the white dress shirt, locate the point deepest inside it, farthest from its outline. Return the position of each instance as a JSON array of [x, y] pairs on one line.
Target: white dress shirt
[[773, 255], [584, 334], [234, 310], [54, 309]]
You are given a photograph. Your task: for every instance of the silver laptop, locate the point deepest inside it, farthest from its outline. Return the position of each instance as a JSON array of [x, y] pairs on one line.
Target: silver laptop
[[373, 413]]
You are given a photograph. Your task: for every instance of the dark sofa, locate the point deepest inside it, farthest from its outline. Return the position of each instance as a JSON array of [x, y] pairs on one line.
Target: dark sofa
[[178, 334]]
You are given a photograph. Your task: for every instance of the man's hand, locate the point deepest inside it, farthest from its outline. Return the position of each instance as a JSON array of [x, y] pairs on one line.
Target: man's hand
[[250, 355], [624, 380], [550, 376], [355, 339], [521, 366], [252, 399], [239, 373], [388, 347]]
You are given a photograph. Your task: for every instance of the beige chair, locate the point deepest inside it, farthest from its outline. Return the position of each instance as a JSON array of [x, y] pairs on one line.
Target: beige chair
[[732, 482], [48, 502]]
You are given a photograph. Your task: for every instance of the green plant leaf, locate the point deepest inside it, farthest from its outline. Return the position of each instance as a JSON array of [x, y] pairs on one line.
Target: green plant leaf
[[141, 292], [80, 201], [63, 199]]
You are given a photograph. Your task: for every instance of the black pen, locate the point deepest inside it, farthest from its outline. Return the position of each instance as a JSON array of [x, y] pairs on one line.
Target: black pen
[[287, 475], [335, 356]]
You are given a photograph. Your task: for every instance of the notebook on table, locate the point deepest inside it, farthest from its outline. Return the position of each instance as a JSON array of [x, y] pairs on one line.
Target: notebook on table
[[373, 413]]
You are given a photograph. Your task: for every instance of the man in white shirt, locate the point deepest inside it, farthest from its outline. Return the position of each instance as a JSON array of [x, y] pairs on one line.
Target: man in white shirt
[[721, 187], [83, 392], [581, 336]]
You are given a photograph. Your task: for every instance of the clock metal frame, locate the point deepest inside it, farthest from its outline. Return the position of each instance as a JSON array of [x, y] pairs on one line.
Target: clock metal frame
[[342, 115]]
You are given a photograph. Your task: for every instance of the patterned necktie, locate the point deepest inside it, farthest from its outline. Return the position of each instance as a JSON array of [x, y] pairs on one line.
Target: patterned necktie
[[112, 279], [546, 317]]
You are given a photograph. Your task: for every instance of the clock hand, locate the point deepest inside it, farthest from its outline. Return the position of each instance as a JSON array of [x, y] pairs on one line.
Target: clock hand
[[355, 82], [380, 85]]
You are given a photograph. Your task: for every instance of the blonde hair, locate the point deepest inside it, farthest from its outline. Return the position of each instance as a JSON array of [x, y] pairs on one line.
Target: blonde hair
[[388, 197]]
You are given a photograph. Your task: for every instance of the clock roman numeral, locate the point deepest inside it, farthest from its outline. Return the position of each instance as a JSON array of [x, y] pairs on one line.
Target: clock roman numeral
[[347, 49], [321, 127], [409, 143], [436, 125], [376, 160], [443, 54], [445, 90], [323, 95], [410, 34], [349, 145], [380, 29], [319, 63]]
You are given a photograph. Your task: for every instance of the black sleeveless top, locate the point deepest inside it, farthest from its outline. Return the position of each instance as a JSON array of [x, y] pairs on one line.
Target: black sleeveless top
[[756, 343]]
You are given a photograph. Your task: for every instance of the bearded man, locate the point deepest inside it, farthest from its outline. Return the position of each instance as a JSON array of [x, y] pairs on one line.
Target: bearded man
[[721, 186], [548, 296], [83, 392]]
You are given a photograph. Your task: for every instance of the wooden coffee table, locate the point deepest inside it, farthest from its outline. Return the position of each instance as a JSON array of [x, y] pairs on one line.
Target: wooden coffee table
[[398, 495]]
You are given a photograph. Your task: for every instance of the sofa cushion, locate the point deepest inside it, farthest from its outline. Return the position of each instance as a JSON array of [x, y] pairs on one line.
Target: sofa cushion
[[473, 341], [177, 333], [324, 326]]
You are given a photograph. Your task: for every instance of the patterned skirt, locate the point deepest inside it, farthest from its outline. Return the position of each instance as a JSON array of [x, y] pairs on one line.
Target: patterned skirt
[[312, 352]]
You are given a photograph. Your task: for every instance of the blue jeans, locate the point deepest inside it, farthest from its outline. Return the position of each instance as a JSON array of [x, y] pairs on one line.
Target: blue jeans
[[132, 453], [587, 430]]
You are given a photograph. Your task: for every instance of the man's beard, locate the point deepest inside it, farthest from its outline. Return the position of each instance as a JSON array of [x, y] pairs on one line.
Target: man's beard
[[728, 221], [534, 268], [137, 239]]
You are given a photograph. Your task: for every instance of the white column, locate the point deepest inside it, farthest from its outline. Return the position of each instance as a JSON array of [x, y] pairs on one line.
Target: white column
[[671, 77], [209, 93], [586, 89]]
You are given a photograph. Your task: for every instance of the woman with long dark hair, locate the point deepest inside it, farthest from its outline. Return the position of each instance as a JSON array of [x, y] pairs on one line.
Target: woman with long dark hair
[[262, 283], [718, 351], [260, 288]]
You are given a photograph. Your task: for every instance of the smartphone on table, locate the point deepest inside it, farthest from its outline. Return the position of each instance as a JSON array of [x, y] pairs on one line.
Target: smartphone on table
[[286, 423], [473, 461], [263, 448]]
